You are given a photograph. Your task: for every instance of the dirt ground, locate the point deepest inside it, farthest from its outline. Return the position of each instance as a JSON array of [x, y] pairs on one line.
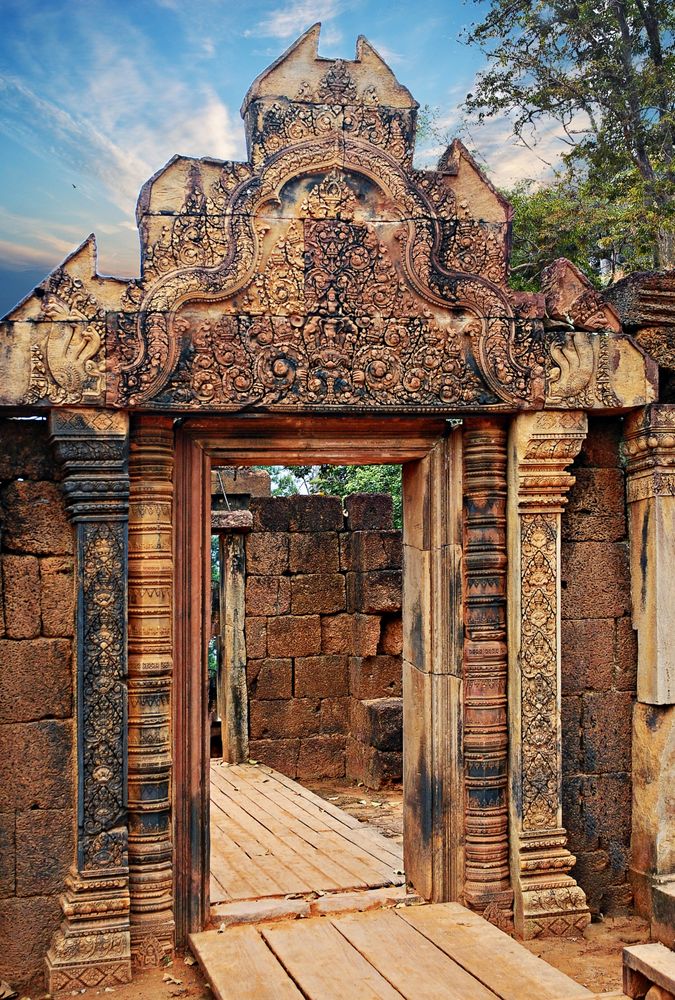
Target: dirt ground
[[593, 960]]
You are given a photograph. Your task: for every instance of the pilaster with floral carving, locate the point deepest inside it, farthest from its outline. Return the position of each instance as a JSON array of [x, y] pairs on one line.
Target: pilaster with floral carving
[[92, 946], [547, 900], [150, 679]]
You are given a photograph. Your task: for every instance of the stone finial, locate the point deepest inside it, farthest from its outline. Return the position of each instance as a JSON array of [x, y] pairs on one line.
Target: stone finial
[[571, 298], [302, 75]]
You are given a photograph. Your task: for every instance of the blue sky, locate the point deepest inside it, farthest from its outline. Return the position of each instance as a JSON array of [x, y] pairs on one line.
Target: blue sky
[[95, 96]]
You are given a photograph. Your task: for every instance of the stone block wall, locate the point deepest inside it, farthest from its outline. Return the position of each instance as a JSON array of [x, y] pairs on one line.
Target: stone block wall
[[599, 666], [37, 831], [323, 637]]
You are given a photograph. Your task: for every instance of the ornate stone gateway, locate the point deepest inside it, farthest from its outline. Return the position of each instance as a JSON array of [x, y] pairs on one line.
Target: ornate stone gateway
[[324, 301]]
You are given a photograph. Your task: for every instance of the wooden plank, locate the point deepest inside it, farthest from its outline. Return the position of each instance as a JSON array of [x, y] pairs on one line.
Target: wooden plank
[[362, 862], [239, 966], [277, 823], [362, 867], [334, 818], [218, 893], [230, 821], [408, 960], [237, 873], [305, 793], [323, 964], [490, 955]]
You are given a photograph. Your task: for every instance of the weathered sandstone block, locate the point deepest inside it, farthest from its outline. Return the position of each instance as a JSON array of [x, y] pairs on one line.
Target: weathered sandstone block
[[57, 595], [321, 677], [36, 679], [35, 520], [294, 635], [298, 717], [314, 552], [322, 757], [315, 593], [21, 595], [270, 679], [267, 553], [368, 511], [375, 677], [268, 595]]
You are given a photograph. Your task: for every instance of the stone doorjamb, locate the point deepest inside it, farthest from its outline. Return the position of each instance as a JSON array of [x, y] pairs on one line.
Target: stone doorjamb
[[650, 452], [547, 900], [231, 527], [92, 946]]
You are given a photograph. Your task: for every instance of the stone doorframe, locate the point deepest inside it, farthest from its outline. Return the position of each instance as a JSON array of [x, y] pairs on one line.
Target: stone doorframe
[[459, 840], [431, 454]]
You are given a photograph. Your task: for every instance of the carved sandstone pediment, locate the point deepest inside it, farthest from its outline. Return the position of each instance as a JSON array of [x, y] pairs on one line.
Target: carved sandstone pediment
[[324, 274]]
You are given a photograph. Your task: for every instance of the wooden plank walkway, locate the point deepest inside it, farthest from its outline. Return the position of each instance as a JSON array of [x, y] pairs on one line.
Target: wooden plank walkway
[[270, 837], [417, 952]]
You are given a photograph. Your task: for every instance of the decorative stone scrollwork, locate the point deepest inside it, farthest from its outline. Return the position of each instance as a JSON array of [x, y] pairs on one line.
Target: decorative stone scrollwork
[[92, 946], [547, 900]]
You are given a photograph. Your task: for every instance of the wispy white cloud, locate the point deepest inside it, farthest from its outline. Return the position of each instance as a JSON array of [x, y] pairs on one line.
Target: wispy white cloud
[[296, 17], [390, 56], [15, 256]]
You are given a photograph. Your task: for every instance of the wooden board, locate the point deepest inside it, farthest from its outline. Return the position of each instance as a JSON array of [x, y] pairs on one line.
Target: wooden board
[[408, 960], [323, 963], [490, 955], [431, 952], [272, 837], [239, 965]]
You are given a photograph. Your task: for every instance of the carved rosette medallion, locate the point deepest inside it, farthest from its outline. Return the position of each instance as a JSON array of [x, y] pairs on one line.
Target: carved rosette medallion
[[92, 946], [547, 900]]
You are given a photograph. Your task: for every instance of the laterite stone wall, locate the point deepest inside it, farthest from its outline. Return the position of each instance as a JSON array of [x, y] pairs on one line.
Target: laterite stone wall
[[37, 835], [599, 664], [323, 637]]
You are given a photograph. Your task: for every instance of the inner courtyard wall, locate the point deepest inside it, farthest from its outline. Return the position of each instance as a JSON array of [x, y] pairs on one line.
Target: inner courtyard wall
[[599, 670], [323, 637], [37, 777]]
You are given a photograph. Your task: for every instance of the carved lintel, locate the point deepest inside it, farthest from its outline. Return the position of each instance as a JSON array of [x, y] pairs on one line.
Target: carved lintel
[[150, 687], [547, 900], [91, 947], [650, 450]]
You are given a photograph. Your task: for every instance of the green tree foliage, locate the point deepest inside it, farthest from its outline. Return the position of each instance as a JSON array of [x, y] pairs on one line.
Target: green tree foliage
[[340, 481], [605, 237], [605, 70]]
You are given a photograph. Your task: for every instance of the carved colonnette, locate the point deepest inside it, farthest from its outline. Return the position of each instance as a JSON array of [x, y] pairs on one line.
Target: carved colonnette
[[487, 885], [547, 900], [150, 680], [92, 947]]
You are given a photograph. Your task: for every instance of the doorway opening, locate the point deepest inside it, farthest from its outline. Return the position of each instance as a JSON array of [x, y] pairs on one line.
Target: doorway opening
[[430, 453], [305, 672]]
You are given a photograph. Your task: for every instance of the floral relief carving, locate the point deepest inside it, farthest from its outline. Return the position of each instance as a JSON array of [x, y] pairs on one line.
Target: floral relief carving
[[538, 659]]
